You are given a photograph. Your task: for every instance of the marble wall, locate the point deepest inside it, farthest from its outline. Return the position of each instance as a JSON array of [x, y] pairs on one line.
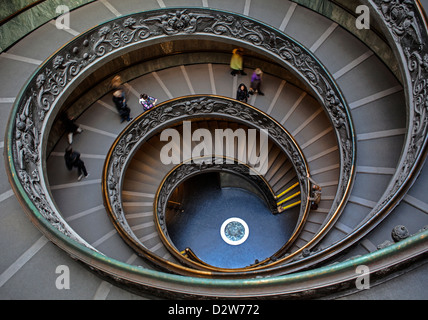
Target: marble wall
[[30, 19], [10, 7]]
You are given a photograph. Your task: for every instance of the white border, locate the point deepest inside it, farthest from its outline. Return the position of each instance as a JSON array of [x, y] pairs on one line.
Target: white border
[[231, 242]]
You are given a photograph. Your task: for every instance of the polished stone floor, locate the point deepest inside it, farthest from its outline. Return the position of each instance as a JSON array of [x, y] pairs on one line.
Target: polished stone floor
[[199, 225]]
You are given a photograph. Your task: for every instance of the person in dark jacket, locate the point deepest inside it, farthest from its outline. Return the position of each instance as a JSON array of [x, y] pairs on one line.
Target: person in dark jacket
[[121, 106], [72, 159], [316, 193], [242, 93], [71, 127]]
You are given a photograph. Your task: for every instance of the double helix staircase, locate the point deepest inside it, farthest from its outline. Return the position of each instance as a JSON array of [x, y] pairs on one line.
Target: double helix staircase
[[371, 84]]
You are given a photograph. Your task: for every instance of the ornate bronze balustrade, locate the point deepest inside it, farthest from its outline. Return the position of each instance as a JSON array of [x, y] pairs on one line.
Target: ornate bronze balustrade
[[41, 97], [172, 113]]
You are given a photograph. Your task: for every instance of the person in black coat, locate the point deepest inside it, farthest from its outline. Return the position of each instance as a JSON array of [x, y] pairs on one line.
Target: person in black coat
[[242, 93], [121, 106], [70, 127], [72, 159]]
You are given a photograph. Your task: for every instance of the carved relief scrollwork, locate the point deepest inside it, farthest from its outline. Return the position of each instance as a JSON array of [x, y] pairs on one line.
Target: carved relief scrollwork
[[243, 29], [401, 18], [26, 137], [179, 21]]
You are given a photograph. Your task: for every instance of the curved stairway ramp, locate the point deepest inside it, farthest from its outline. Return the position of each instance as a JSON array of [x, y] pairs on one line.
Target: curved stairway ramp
[[152, 178], [294, 107], [145, 174], [368, 136], [144, 84], [105, 29]]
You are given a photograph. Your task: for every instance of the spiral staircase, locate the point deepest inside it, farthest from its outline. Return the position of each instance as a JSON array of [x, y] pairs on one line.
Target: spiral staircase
[[345, 106]]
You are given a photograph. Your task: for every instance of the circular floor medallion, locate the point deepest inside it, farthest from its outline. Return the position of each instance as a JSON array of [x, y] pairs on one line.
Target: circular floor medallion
[[234, 231]]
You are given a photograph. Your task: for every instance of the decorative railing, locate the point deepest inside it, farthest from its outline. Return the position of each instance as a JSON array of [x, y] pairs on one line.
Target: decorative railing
[[172, 113], [405, 26], [40, 100]]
